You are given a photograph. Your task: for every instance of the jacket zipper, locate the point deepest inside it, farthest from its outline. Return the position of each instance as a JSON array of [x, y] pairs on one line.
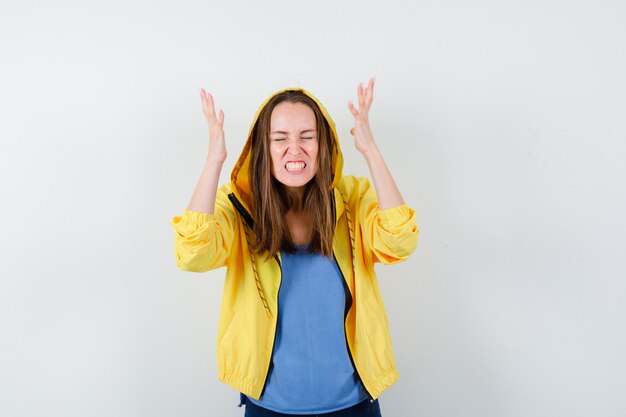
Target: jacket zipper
[[250, 222], [269, 363], [241, 209], [345, 317], [345, 314]]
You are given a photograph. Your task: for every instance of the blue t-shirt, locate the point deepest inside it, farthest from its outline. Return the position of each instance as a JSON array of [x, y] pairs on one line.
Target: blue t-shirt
[[311, 370]]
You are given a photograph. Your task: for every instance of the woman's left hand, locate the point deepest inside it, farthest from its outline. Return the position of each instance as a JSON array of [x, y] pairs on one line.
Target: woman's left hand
[[363, 137]]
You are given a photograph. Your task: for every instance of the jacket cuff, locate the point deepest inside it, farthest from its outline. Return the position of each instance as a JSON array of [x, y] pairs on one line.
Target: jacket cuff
[[196, 217], [395, 216]]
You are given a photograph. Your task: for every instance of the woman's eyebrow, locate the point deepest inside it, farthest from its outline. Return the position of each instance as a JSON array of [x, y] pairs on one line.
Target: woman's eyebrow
[[283, 132]]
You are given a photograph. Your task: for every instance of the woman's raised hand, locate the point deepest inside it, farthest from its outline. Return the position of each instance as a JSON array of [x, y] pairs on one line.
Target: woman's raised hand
[[217, 145], [363, 137]]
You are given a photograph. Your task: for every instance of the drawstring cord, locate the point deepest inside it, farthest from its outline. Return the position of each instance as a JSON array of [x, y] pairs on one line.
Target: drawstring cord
[[248, 223], [256, 275]]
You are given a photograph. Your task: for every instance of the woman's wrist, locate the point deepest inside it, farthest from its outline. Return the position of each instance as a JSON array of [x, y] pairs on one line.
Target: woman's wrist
[[372, 154], [213, 162]]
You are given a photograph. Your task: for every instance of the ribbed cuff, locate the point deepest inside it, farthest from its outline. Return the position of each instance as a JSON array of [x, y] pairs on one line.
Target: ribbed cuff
[[395, 215], [196, 217]]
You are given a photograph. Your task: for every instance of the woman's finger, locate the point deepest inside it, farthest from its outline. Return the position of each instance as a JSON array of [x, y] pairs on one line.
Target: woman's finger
[[361, 95], [352, 109], [370, 91], [203, 100], [208, 105], [211, 106]]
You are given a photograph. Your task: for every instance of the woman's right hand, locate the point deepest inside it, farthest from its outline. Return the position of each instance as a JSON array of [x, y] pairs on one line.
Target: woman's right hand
[[217, 145]]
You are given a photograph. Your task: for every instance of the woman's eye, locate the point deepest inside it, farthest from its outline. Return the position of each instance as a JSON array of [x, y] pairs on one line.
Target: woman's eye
[[278, 139], [308, 137]]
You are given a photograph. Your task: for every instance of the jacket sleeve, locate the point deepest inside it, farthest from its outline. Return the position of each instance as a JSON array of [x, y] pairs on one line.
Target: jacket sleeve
[[390, 234], [202, 241]]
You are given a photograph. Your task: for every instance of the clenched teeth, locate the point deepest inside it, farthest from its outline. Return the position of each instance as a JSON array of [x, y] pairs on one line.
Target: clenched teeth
[[295, 166]]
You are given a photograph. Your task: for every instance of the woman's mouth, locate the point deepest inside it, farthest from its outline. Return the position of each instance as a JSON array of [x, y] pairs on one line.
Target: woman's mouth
[[295, 166]]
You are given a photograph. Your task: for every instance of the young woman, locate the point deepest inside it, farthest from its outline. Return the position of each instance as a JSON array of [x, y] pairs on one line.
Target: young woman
[[302, 328]]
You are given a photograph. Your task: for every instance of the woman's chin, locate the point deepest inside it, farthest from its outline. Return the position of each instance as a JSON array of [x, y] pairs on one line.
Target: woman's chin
[[298, 179]]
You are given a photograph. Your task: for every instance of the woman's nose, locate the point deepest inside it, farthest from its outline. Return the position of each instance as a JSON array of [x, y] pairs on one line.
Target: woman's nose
[[294, 148]]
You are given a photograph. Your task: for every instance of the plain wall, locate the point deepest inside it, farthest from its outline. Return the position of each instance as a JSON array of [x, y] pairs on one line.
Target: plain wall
[[503, 123]]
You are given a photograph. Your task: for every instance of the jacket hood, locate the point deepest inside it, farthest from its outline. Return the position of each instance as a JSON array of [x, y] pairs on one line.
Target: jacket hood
[[240, 174]]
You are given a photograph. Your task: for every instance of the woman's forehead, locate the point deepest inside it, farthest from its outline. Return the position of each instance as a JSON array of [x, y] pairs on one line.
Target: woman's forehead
[[292, 117]]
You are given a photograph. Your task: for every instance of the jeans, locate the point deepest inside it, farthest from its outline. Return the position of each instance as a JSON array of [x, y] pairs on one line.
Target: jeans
[[362, 409]]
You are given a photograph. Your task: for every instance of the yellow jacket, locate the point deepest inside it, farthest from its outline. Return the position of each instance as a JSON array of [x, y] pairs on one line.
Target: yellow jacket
[[364, 235]]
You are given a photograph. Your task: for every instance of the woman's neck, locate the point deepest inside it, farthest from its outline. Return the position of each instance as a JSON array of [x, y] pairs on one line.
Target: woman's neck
[[296, 195]]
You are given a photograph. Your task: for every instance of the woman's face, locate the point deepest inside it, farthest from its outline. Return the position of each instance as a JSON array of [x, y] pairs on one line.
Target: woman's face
[[293, 144]]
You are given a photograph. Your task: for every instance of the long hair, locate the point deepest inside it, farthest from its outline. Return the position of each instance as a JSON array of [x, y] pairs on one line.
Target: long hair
[[271, 201]]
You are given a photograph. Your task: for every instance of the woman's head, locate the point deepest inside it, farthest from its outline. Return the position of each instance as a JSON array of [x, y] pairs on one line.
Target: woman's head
[[291, 159], [291, 128]]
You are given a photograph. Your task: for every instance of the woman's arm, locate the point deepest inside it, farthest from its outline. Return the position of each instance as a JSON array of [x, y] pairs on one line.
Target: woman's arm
[[204, 233], [386, 189], [203, 197]]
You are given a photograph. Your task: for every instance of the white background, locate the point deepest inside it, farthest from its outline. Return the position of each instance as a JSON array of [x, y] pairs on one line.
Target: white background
[[503, 123]]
